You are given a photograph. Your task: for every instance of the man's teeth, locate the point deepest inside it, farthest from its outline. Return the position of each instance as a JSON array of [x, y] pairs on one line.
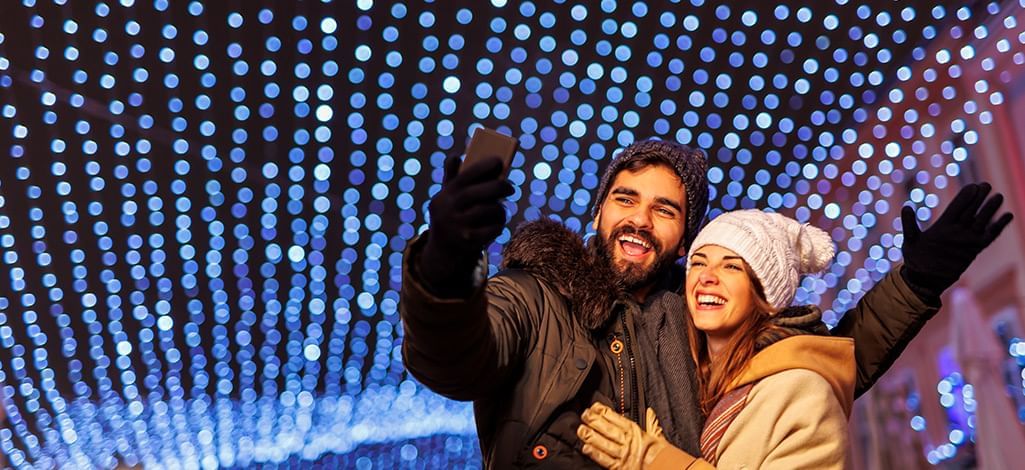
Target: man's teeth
[[706, 299], [635, 240]]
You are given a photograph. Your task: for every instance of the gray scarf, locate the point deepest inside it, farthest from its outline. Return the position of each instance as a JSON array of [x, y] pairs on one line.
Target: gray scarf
[[670, 374]]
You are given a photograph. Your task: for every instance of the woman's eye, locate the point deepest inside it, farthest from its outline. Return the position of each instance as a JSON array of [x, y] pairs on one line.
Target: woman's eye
[[734, 267]]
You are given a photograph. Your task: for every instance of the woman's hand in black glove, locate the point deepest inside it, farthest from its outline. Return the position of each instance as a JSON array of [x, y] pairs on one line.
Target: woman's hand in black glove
[[935, 258]]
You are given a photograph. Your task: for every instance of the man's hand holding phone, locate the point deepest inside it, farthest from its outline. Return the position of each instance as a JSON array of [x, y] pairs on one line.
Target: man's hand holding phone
[[467, 214]]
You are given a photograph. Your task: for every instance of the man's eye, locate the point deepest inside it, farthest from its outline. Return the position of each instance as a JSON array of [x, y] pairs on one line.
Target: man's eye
[[624, 200], [667, 212]]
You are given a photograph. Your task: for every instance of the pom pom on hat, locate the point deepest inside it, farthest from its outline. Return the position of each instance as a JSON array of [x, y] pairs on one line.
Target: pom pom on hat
[[778, 249], [814, 247]]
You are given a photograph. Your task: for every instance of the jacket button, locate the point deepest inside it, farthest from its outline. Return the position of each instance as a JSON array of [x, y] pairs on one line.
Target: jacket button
[[540, 452], [581, 363]]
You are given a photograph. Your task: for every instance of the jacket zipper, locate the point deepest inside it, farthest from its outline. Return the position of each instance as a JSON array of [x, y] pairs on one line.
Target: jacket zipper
[[633, 369]]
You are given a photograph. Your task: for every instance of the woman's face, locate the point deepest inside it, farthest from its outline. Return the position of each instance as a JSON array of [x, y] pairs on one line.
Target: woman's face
[[719, 292]]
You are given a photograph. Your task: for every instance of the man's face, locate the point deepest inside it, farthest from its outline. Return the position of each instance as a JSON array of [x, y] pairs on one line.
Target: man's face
[[641, 223]]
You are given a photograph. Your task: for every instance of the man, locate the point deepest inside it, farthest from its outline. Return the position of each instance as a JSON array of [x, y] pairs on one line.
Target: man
[[566, 324]]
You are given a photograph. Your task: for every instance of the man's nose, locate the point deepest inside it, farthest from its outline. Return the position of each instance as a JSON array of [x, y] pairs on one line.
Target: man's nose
[[640, 218]]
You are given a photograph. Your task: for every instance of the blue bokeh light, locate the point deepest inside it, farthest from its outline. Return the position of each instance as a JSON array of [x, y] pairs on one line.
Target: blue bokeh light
[[215, 237]]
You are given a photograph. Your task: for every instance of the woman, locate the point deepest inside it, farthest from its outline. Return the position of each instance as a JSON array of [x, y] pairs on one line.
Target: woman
[[775, 388]]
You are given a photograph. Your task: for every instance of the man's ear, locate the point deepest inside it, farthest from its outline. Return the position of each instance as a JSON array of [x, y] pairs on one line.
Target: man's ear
[[597, 217], [682, 251]]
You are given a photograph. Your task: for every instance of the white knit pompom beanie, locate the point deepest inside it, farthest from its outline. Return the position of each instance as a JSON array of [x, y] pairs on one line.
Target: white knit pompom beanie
[[778, 249]]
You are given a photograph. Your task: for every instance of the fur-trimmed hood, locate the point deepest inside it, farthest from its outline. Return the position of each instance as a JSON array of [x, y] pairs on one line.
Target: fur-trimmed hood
[[551, 251]]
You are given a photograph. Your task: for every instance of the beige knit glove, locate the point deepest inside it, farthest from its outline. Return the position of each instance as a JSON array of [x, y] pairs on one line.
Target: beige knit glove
[[615, 442]]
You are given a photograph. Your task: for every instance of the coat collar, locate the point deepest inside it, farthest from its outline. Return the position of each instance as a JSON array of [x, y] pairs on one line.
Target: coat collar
[[552, 252], [792, 321], [830, 357]]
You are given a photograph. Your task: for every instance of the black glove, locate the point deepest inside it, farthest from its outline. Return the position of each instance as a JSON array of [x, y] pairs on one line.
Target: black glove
[[936, 258], [466, 215]]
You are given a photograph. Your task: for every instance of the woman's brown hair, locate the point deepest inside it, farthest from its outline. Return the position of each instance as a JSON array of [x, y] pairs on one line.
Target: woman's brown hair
[[714, 379]]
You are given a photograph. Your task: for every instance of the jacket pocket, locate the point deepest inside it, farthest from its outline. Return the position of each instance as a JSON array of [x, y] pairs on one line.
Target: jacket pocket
[[564, 381]]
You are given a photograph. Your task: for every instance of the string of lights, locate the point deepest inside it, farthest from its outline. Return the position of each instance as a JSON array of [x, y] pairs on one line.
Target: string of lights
[[204, 205]]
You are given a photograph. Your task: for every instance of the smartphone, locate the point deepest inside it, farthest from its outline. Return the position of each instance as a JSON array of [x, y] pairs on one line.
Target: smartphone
[[490, 143]]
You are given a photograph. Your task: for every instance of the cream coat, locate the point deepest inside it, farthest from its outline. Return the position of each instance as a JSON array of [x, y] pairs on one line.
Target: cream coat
[[795, 415]]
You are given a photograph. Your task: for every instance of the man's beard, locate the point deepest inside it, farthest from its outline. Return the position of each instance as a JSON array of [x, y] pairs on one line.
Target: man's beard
[[634, 275]]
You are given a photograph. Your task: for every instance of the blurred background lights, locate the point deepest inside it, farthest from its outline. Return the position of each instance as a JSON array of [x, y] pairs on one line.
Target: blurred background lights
[[203, 208]]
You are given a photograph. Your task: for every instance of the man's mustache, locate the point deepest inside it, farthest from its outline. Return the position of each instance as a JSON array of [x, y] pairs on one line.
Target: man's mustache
[[639, 233]]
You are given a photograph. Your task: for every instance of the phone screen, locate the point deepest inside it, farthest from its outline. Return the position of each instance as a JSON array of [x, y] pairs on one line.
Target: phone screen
[[490, 143]]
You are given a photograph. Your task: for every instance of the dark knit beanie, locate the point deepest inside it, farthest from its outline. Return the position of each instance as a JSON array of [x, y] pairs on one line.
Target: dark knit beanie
[[690, 165]]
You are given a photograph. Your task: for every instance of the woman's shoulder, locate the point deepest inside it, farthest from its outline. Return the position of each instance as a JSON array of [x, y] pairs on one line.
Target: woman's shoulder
[[791, 419], [784, 393], [791, 381], [829, 359], [828, 356], [788, 399]]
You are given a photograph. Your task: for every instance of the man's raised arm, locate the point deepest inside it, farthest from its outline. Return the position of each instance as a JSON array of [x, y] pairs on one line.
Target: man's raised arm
[[462, 334]]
